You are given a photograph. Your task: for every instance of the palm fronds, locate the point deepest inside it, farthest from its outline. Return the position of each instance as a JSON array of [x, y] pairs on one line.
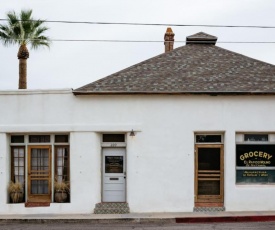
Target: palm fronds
[[22, 29]]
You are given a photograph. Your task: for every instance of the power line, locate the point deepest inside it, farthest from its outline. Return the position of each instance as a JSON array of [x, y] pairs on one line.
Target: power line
[[151, 24], [137, 41], [147, 41]]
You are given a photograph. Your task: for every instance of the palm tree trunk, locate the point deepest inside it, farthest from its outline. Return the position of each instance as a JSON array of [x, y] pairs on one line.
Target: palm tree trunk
[[22, 74], [23, 55]]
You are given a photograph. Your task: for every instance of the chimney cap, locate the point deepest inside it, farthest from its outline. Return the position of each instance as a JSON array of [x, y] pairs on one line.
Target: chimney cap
[[169, 30], [169, 35]]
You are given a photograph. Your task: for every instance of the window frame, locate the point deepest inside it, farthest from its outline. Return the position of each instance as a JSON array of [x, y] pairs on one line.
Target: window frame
[[240, 140]]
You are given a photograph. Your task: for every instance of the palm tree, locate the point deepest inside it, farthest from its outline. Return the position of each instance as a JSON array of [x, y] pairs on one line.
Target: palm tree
[[22, 29]]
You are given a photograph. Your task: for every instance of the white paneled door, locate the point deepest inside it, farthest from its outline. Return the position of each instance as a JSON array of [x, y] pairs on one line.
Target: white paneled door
[[114, 175]]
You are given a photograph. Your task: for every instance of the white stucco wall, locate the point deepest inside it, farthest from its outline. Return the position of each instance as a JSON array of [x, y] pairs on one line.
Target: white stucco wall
[[160, 158]]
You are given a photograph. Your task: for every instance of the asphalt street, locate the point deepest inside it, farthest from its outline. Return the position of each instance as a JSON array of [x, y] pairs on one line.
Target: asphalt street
[[137, 226]]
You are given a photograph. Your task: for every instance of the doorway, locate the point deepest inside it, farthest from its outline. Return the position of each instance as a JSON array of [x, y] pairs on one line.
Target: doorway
[[114, 175], [39, 174], [209, 177]]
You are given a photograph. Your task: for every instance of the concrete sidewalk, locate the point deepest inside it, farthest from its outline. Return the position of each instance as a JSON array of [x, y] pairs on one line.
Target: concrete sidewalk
[[179, 217]]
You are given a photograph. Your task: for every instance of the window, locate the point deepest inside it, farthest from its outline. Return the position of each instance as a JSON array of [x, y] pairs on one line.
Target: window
[[18, 164], [113, 138], [17, 139], [113, 164], [61, 139], [32, 166], [255, 159], [208, 138], [39, 138], [255, 137], [62, 163]]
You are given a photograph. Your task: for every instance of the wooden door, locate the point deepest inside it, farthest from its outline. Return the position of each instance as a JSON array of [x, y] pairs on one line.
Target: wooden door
[[209, 179], [39, 174]]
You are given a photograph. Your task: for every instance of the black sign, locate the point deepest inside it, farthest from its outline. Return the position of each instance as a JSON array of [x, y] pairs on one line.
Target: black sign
[[113, 164], [255, 176], [255, 155]]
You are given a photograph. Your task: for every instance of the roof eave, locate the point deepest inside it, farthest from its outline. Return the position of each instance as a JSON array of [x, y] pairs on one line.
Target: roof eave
[[170, 93]]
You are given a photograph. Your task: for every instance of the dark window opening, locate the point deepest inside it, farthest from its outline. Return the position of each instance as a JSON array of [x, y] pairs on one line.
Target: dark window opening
[[208, 138], [113, 138], [211, 187], [209, 159], [17, 139], [39, 138], [61, 139]]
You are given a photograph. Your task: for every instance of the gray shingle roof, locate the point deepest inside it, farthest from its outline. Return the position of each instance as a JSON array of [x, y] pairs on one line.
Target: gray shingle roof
[[196, 68]]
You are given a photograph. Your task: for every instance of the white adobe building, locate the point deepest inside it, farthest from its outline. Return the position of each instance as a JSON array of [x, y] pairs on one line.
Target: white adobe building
[[191, 129]]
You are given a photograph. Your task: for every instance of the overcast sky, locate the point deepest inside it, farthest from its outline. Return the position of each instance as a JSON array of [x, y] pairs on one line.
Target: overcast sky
[[74, 64]]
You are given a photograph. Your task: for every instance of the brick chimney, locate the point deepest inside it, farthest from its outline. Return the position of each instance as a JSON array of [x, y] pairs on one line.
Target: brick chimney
[[169, 40]]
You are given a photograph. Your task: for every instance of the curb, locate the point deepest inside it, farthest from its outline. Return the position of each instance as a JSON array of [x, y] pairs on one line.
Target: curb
[[142, 220], [95, 221], [225, 219]]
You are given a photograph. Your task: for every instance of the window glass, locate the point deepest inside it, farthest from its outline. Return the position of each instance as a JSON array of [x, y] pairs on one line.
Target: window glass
[[209, 159], [255, 137], [255, 163], [255, 155], [208, 138], [62, 167], [255, 176], [39, 187], [39, 138], [18, 164], [18, 167], [208, 187], [62, 164], [61, 139], [113, 164], [17, 139], [113, 138]]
